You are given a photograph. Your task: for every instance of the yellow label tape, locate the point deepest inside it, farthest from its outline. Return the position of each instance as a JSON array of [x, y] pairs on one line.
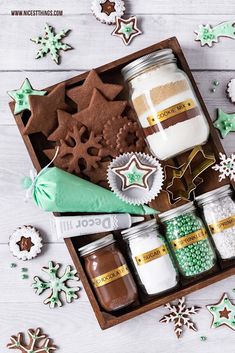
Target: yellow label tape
[[220, 226], [171, 111], [151, 255], [110, 276], [189, 239]]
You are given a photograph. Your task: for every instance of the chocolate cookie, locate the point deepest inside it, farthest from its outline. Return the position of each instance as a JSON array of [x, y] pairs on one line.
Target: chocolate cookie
[[82, 95], [99, 112], [66, 123], [130, 138], [44, 111]]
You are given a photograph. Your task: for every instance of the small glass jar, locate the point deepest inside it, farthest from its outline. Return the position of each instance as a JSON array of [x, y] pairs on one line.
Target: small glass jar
[[151, 258], [219, 212], [109, 274], [166, 104], [188, 239]]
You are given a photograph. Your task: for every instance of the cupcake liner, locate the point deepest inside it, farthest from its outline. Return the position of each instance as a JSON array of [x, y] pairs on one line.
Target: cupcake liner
[[136, 195]]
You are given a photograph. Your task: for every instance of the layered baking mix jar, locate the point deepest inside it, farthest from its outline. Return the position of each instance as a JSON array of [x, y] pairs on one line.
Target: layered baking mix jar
[[188, 239], [166, 104], [151, 258], [219, 212], [109, 274]]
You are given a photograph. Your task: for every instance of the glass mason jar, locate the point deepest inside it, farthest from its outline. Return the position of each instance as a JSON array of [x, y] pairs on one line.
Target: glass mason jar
[[151, 258], [188, 239], [109, 274], [166, 104], [219, 212]]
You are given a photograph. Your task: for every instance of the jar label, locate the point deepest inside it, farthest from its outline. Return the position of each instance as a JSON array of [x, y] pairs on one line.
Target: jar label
[[172, 115], [220, 226], [151, 255], [189, 239], [110, 276]]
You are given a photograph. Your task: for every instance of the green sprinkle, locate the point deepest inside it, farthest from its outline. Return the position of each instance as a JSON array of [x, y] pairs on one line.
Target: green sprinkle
[[13, 265], [24, 276], [216, 83], [24, 269], [203, 338]]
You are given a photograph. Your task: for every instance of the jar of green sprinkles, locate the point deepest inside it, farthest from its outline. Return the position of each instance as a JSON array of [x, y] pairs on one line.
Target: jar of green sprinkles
[[188, 239]]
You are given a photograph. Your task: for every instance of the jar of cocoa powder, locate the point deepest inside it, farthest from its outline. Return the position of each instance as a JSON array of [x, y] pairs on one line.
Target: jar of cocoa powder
[[109, 274], [166, 104]]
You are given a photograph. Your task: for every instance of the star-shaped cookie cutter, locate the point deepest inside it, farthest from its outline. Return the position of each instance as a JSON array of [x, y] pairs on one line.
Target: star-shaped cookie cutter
[[183, 190]]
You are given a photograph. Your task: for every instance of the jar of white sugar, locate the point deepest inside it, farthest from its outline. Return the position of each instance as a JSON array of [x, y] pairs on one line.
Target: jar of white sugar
[[166, 104], [219, 212], [151, 258]]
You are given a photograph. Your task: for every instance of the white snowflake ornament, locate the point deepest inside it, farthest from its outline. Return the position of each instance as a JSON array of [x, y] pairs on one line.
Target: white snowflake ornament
[[57, 285], [226, 167], [180, 316]]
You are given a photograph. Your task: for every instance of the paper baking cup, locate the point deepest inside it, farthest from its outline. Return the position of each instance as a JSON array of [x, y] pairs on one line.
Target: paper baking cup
[[136, 195]]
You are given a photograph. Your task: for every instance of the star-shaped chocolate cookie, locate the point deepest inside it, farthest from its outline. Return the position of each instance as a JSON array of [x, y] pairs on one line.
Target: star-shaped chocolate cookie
[[66, 122], [81, 95], [99, 112], [44, 111]]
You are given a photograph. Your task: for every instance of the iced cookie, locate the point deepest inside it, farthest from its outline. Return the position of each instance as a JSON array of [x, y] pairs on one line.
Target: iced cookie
[[25, 243], [106, 11]]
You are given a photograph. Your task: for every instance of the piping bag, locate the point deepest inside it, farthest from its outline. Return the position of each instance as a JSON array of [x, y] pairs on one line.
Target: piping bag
[[55, 190]]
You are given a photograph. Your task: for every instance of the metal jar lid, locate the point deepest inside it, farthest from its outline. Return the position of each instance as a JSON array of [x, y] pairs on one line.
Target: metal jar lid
[[213, 195], [178, 211], [134, 232], [158, 58], [97, 244]]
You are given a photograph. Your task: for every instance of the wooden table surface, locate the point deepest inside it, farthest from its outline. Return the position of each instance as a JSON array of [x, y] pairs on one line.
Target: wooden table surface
[[74, 327]]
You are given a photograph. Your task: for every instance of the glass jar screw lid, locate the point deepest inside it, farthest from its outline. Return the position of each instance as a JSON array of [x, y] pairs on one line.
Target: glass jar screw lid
[[159, 57], [97, 244]]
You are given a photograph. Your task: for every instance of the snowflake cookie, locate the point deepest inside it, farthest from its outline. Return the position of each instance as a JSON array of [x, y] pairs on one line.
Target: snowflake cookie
[[57, 285], [226, 167], [25, 243], [180, 316], [51, 43], [38, 342]]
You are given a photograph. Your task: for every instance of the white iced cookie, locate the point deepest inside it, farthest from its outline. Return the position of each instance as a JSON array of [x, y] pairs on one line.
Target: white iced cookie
[[25, 243], [106, 11], [231, 90]]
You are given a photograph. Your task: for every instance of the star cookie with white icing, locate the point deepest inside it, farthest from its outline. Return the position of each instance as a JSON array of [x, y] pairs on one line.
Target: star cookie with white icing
[[127, 29], [223, 313]]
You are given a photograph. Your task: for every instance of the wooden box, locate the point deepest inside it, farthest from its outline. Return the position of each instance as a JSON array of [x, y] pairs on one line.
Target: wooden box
[[36, 143]]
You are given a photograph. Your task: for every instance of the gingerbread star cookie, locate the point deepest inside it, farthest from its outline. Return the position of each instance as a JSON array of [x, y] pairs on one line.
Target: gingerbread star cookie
[[66, 122], [44, 111], [82, 95], [99, 112], [223, 313], [127, 29]]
